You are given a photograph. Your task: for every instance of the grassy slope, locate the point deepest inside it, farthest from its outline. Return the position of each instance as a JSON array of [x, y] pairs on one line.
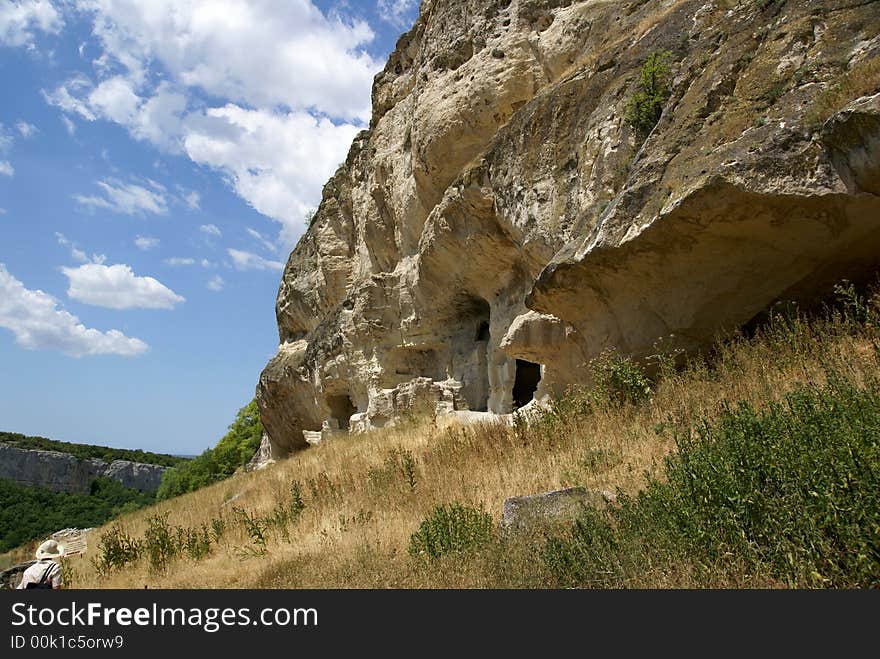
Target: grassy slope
[[363, 497]]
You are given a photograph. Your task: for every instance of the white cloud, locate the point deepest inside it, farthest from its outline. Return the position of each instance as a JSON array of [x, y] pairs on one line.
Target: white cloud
[[126, 198], [278, 163], [5, 139], [211, 230], [192, 199], [205, 263], [65, 98], [25, 129], [179, 261], [114, 99], [69, 125], [38, 324], [293, 85], [400, 13], [6, 168], [216, 283], [248, 261], [146, 243], [259, 52], [20, 19], [117, 287], [260, 238], [160, 118], [75, 253]]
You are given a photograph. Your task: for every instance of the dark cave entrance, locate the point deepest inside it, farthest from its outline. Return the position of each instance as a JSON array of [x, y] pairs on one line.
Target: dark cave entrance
[[528, 375], [341, 409]]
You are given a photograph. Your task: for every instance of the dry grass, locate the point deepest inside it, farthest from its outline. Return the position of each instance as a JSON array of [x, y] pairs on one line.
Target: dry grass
[[362, 506], [862, 79]]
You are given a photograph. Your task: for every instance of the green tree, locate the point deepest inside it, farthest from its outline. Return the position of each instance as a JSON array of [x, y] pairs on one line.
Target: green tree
[[233, 450], [646, 105]]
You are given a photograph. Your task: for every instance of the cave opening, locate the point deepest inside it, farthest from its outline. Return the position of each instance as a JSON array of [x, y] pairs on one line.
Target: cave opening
[[483, 331], [341, 409], [525, 384]]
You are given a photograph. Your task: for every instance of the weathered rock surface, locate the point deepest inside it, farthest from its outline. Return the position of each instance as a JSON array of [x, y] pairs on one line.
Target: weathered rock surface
[[500, 223], [66, 473], [135, 475], [263, 457], [551, 507]]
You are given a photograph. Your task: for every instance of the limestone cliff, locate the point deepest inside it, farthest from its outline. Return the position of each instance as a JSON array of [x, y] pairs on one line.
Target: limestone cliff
[[66, 473], [501, 222]]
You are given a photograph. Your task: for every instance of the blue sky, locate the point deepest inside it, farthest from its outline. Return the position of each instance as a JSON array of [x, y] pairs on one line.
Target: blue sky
[[157, 160]]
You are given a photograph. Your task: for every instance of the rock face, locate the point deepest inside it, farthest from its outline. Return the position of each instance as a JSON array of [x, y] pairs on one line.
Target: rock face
[[551, 507], [500, 222], [65, 473], [135, 475], [263, 457]]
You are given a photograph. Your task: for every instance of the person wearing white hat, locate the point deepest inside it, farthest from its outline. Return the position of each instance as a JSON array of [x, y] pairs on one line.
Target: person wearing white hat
[[45, 572]]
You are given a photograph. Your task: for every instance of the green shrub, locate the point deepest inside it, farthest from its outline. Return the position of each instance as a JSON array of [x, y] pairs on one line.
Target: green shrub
[[791, 493], [646, 105], [116, 550], [453, 528], [161, 542], [618, 380]]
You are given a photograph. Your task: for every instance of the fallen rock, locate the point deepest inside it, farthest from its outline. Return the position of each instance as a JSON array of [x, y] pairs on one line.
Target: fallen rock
[[551, 507]]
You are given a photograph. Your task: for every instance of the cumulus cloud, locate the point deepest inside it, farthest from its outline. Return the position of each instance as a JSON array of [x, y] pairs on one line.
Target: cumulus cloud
[[258, 52], [127, 198], [117, 287], [211, 230], [38, 323], [292, 84], [177, 261], [243, 260], [6, 168], [276, 162], [146, 243], [114, 99], [19, 19], [215, 283]]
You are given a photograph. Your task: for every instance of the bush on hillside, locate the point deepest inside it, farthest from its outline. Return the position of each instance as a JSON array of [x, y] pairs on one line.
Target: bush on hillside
[[453, 528], [791, 493]]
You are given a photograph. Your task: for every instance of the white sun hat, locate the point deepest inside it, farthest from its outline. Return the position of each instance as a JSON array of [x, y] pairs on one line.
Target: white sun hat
[[50, 549]]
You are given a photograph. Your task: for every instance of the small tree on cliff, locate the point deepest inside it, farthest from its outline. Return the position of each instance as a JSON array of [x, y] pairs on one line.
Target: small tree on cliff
[[646, 106]]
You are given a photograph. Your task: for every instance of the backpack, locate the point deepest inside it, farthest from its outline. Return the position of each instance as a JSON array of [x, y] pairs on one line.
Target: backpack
[[45, 581]]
